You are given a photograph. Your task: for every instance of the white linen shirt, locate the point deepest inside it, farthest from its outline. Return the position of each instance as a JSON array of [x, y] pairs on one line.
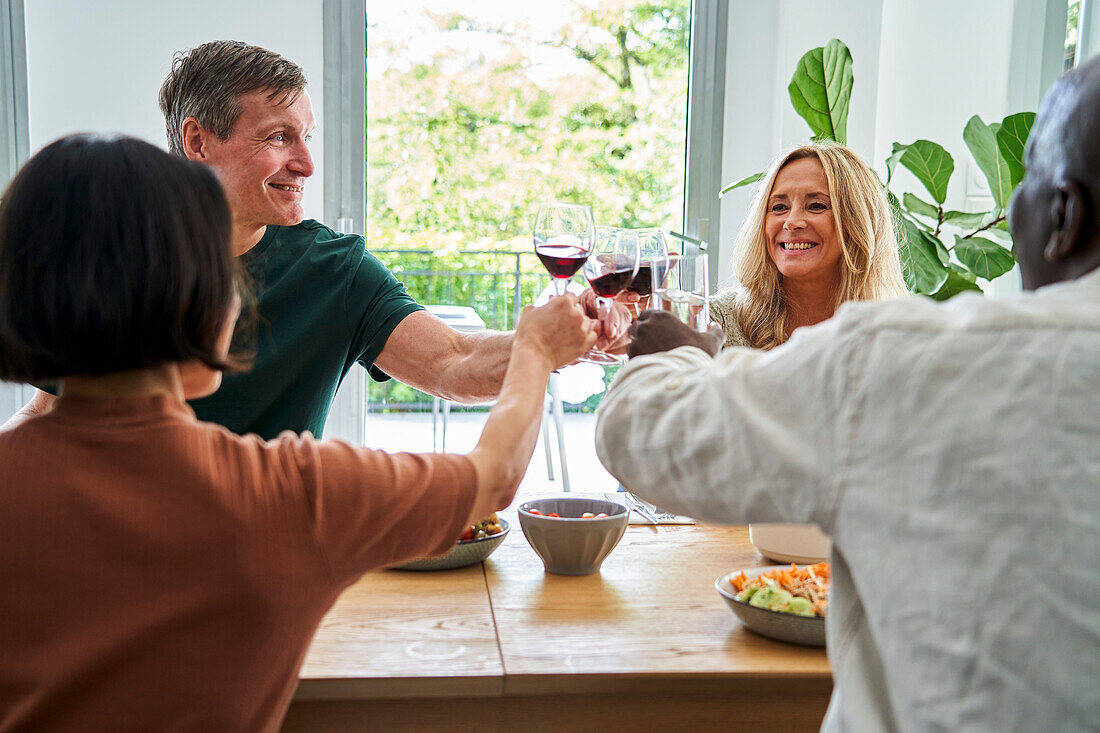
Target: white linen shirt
[[953, 453]]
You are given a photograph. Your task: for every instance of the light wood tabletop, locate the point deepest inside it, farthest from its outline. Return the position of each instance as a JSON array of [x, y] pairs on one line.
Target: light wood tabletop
[[645, 643]]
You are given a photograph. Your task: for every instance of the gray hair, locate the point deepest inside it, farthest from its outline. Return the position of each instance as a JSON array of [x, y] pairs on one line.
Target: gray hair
[[206, 83]]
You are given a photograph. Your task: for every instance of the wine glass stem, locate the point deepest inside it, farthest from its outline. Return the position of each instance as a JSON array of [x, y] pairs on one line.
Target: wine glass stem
[[603, 305], [560, 285]]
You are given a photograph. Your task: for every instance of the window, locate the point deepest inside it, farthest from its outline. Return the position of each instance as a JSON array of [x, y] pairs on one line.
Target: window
[[1073, 33], [479, 111]]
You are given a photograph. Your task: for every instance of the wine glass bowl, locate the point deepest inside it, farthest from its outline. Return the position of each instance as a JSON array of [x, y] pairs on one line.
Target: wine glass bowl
[[611, 266], [564, 234], [652, 264]]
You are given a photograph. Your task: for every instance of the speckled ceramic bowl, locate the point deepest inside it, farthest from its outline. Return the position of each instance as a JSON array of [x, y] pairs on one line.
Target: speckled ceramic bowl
[[464, 553], [807, 630], [570, 545]]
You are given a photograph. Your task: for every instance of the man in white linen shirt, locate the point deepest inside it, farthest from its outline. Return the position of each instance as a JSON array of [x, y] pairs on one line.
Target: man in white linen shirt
[[951, 450]]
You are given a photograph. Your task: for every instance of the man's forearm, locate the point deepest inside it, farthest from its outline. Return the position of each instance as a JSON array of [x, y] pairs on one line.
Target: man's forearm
[[476, 374]]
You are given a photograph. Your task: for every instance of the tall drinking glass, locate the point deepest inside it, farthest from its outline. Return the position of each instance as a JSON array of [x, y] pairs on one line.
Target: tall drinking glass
[[564, 234], [684, 289]]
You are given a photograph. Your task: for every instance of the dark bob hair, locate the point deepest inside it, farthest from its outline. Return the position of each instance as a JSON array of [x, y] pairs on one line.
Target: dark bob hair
[[114, 255]]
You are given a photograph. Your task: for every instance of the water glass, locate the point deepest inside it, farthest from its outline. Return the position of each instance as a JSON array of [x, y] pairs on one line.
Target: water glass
[[684, 290]]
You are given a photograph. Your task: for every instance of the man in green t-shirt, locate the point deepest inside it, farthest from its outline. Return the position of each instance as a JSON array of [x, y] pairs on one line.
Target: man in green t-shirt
[[323, 301]]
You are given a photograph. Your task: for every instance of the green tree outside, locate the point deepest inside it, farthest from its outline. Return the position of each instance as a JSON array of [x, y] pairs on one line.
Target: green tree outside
[[463, 147]]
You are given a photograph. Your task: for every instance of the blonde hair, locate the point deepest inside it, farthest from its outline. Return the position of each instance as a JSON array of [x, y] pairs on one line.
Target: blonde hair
[[864, 227]]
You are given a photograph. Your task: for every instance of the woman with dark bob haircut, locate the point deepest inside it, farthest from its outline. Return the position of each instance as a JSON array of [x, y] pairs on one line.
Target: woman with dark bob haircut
[[162, 573]]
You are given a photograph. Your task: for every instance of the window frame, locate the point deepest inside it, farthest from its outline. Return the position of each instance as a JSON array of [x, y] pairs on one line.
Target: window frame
[[14, 119], [14, 138], [705, 122]]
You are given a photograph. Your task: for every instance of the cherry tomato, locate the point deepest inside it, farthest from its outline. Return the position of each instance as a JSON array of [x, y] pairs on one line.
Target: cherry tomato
[[588, 515], [534, 511], [601, 515], [468, 534], [554, 514]]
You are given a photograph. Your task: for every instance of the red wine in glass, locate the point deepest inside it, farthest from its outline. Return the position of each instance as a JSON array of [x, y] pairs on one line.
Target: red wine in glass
[[643, 281], [652, 264], [563, 239], [648, 274], [611, 284], [561, 260], [611, 266], [612, 263]]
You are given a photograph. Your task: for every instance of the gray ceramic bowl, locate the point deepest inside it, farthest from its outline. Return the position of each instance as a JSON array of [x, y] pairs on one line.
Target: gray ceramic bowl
[[807, 630], [571, 545], [462, 554]]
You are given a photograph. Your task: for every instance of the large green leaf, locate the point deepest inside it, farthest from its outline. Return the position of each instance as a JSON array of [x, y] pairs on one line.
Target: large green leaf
[[922, 263], [743, 182], [953, 285], [984, 258], [1011, 141], [821, 90], [962, 272], [982, 141], [932, 165], [916, 206], [892, 161], [964, 219]]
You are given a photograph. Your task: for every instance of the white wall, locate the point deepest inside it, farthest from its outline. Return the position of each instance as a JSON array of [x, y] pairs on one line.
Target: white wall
[[766, 41], [921, 71], [97, 66]]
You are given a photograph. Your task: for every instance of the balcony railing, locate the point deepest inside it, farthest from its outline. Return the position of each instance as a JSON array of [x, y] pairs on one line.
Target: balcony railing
[[495, 283]]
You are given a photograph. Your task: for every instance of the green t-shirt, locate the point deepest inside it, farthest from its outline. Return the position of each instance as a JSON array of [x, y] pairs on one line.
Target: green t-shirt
[[324, 303]]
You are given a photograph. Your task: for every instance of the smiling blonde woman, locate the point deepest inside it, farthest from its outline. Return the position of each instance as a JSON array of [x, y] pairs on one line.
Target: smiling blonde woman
[[819, 233]]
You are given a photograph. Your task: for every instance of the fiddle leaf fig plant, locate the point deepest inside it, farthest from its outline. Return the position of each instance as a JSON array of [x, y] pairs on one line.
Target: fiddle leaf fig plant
[[943, 252], [822, 88]]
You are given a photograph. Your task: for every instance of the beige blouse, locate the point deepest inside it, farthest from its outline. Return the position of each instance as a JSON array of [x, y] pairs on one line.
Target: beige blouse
[[722, 313]]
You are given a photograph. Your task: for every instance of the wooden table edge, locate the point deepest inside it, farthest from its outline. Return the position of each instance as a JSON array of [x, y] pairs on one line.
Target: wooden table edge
[[392, 688], [683, 682]]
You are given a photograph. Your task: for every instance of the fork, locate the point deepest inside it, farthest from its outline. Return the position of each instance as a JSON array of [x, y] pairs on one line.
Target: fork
[[649, 511]]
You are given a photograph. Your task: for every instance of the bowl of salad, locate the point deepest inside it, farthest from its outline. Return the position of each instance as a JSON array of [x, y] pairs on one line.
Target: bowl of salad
[[477, 542], [784, 602]]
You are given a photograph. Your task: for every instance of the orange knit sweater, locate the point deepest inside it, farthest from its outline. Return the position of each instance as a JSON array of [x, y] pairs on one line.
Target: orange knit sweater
[[158, 573]]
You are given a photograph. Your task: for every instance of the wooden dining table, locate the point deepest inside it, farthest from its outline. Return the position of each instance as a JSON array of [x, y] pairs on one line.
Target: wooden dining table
[[644, 644]]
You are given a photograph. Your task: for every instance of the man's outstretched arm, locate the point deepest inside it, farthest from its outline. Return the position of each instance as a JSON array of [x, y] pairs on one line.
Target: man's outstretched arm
[[426, 353]]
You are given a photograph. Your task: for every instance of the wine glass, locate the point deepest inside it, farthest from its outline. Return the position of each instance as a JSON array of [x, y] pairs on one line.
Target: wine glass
[[563, 238], [652, 254], [609, 269], [612, 264]]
